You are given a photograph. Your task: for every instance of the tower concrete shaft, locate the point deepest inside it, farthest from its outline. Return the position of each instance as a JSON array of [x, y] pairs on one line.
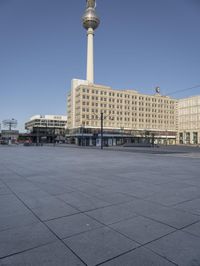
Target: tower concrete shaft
[[90, 55]]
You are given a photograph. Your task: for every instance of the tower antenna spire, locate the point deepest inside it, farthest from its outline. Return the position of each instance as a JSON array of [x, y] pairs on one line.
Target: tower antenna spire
[[91, 3]]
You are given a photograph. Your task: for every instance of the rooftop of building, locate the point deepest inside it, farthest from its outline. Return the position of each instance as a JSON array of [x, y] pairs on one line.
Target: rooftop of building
[[49, 117], [82, 83], [190, 98]]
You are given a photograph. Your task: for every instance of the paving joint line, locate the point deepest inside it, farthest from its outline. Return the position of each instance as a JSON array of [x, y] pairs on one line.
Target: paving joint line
[[29, 249], [141, 246], [60, 239]]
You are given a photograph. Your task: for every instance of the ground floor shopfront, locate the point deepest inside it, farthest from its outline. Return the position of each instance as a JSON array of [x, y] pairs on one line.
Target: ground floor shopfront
[[91, 137], [47, 135], [189, 137]]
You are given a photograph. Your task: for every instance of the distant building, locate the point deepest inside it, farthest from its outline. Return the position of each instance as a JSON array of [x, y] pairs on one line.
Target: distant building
[[10, 136], [47, 128], [128, 115], [189, 120]]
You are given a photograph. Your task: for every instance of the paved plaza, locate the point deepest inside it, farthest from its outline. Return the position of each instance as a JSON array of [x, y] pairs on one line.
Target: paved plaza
[[79, 206]]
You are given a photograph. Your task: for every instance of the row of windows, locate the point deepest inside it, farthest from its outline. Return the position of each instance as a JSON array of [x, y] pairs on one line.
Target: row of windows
[[46, 123], [128, 102], [118, 106], [130, 124], [128, 113], [121, 95], [110, 118], [127, 125], [127, 108]]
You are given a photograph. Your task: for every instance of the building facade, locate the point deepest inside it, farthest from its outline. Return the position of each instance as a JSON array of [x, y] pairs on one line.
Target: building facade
[[189, 120], [126, 113], [47, 128], [9, 136]]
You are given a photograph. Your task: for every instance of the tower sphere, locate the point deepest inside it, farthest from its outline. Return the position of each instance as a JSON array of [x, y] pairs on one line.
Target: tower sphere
[[90, 18]]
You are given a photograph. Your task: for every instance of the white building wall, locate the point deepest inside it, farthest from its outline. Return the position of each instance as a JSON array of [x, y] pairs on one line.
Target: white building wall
[[74, 84], [189, 120]]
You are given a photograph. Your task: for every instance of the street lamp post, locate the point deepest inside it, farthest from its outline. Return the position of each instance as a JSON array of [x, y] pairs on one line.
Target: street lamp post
[[82, 136], [46, 133], [54, 136], [102, 117], [37, 141], [122, 133], [101, 130]]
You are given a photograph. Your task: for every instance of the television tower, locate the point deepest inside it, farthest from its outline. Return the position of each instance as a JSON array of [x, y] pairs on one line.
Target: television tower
[[90, 22]]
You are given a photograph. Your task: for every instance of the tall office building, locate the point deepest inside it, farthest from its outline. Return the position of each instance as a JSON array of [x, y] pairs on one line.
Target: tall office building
[[127, 114]]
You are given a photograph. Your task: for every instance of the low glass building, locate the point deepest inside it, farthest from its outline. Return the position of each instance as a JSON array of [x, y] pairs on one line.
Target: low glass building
[[47, 128]]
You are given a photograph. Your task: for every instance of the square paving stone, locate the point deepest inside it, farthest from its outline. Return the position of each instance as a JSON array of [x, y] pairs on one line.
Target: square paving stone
[[112, 214], [112, 198], [193, 229], [29, 196], [192, 206], [55, 190], [175, 186], [139, 257], [49, 207], [138, 190], [75, 224], [17, 220], [23, 238], [141, 229], [179, 247], [173, 217], [99, 245], [22, 186], [4, 190], [10, 204], [170, 197], [143, 207], [82, 201], [55, 254]]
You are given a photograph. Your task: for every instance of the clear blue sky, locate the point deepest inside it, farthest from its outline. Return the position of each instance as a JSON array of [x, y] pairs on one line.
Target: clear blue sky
[[140, 44]]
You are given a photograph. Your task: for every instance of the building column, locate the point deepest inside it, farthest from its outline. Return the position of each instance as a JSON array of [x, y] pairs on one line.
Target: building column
[[191, 137]]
